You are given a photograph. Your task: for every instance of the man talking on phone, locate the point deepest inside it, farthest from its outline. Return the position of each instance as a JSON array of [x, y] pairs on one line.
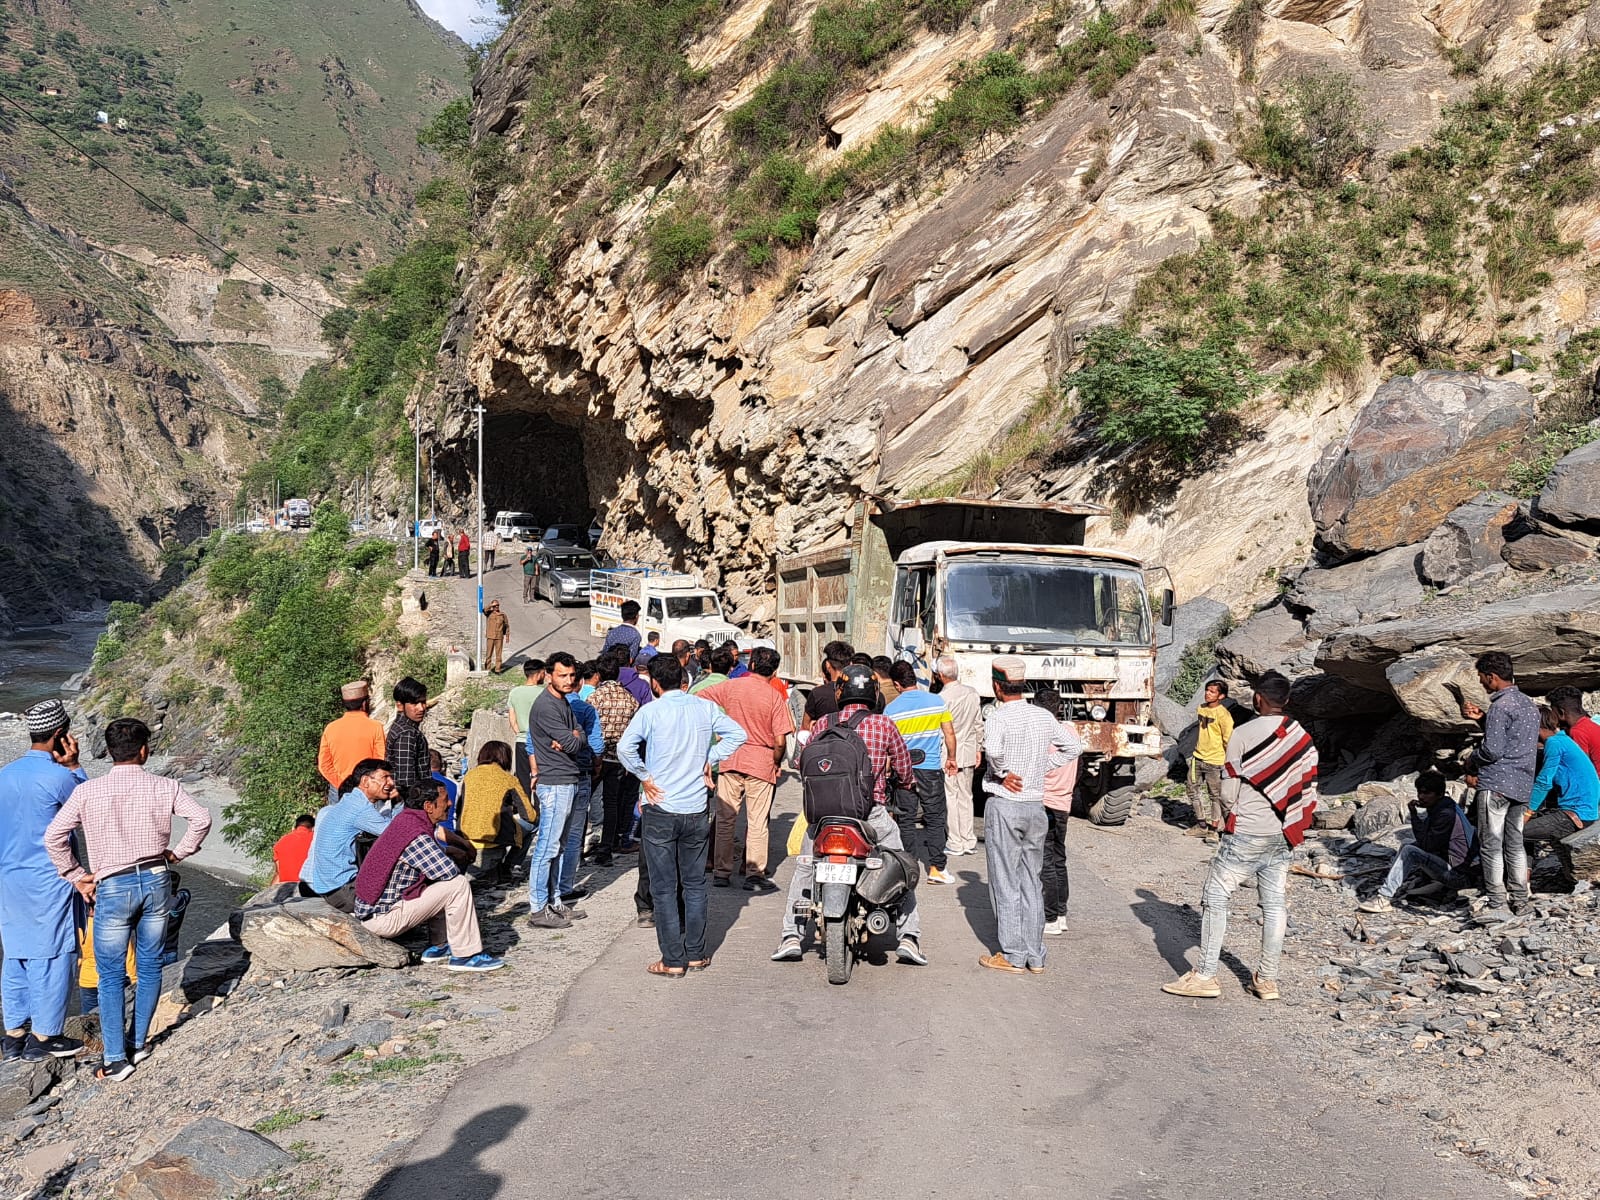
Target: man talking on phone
[[35, 902]]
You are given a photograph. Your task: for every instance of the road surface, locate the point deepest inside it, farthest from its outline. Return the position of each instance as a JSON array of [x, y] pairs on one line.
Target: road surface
[[758, 1079], [538, 628]]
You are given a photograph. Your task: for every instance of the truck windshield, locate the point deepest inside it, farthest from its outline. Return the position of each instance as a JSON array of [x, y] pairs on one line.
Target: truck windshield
[[692, 606], [1045, 604]]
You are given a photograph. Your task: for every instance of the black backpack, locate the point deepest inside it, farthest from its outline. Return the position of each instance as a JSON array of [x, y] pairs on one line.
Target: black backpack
[[836, 775]]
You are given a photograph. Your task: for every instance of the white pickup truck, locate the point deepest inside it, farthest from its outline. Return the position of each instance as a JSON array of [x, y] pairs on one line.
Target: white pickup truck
[[671, 603]]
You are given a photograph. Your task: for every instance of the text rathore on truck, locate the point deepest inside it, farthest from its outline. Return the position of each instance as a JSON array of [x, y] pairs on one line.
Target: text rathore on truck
[[917, 579]]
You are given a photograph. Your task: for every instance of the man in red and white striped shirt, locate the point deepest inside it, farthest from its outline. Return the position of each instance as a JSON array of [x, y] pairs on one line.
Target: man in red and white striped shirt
[[126, 817]]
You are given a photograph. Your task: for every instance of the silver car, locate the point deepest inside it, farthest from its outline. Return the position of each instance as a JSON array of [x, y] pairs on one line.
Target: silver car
[[561, 573]]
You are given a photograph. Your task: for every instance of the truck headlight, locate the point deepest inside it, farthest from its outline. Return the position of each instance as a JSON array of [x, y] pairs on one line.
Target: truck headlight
[[1098, 712]]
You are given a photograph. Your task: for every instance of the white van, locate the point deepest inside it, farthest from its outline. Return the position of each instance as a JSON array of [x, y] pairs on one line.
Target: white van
[[516, 526]]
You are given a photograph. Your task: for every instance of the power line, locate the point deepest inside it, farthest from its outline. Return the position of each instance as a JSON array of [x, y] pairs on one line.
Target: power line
[[229, 256]]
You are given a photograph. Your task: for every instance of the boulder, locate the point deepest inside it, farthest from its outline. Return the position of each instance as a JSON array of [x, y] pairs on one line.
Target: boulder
[[208, 1159], [310, 935], [21, 1083], [1273, 639], [1414, 454], [1427, 685], [1369, 589], [1172, 718], [1571, 495], [1580, 854], [1540, 547], [1468, 540], [1381, 808], [1192, 621], [487, 725], [1553, 638]]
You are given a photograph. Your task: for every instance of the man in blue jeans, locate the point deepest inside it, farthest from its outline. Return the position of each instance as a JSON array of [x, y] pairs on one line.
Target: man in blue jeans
[[1269, 792], [126, 818], [555, 743], [671, 745]]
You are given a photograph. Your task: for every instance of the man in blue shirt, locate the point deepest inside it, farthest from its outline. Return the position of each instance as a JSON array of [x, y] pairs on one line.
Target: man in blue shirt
[[35, 901], [566, 889], [1567, 776], [330, 870], [626, 635], [925, 722], [671, 745]]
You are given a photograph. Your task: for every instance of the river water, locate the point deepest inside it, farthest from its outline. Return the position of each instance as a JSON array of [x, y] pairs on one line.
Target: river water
[[34, 663]]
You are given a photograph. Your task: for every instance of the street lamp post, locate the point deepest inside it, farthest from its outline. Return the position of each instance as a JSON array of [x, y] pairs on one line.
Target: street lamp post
[[479, 410], [416, 489]]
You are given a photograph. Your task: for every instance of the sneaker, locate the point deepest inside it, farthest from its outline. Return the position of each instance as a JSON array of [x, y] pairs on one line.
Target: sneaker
[[909, 951], [1378, 904], [601, 858], [576, 894], [1518, 907], [1056, 927], [938, 875], [436, 954], [571, 914], [140, 1053], [114, 1072], [1197, 831], [478, 962], [60, 1046], [628, 848], [645, 920], [11, 1047], [720, 881], [549, 918], [1265, 989], [1493, 916], [32, 1051], [999, 962], [1194, 985], [789, 950], [1212, 837], [759, 883]]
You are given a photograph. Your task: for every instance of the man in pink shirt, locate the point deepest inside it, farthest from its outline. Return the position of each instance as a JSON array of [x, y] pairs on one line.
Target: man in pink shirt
[[750, 774], [126, 818], [1059, 783]]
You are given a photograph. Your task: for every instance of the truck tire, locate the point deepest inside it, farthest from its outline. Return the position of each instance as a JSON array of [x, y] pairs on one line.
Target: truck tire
[[1115, 807], [841, 954]]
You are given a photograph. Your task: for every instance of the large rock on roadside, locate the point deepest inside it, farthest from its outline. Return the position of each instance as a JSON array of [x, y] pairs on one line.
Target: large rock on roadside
[[206, 1160], [1370, 589], [1382, 808], [1469, 540], [1414, 454], [1192, 621], [1553, 638], [1571, 495], [310, 935], [1426, 684], [1531, 546], [1273, 639]]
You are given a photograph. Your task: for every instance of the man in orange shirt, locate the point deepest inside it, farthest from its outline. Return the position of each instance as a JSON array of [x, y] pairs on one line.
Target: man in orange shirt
[[290, 851], [350, 739], [750, 774]]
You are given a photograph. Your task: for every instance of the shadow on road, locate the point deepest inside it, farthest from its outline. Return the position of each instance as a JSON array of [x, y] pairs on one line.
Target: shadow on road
[[973, 896], [1175, 927], [455, 1172]]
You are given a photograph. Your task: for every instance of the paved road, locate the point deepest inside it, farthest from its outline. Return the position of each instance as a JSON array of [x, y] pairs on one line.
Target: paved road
[[537, 627], [757, 1079]]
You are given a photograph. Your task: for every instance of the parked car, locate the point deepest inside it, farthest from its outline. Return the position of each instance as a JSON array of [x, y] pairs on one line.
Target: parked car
[[516, 526], [596, 532], [562, 575], [256, 525], [427, 526], [565, 535]]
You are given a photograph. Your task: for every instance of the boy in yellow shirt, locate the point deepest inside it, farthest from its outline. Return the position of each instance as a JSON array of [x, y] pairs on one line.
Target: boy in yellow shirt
[[1205, 767]]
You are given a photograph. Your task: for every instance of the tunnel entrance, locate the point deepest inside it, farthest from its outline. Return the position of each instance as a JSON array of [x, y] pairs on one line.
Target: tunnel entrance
[[534, 464]]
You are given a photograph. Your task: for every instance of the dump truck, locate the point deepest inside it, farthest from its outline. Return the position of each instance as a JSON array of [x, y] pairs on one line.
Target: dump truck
[[973, 579], [672, 603], [297, 513]]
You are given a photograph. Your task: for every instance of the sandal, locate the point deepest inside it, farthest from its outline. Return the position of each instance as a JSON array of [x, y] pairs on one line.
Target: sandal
[[660, 968], [700, 965]]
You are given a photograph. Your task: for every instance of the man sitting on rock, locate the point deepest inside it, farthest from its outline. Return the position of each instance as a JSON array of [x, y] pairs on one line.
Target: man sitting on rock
[[408, 878], [330, 867], [1566, 777], [1446, 845]]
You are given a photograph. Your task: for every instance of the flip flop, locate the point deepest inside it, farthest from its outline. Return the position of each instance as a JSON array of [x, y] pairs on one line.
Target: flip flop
[[660, 968]]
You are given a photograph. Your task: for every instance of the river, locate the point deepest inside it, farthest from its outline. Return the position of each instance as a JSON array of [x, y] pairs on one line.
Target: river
[[34, 663]]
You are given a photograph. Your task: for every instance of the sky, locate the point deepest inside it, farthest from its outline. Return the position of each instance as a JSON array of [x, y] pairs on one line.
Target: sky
[[466, 17]]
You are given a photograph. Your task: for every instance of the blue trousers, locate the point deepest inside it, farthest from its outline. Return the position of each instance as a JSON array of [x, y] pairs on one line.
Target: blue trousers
[[33, 991], [130, 908], [572, 847]]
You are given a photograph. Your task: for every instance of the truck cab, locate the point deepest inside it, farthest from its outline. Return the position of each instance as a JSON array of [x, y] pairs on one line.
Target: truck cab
[[671, 603]]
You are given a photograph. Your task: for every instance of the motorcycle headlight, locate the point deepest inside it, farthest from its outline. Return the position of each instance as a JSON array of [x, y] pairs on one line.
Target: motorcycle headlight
[[1098, 711]]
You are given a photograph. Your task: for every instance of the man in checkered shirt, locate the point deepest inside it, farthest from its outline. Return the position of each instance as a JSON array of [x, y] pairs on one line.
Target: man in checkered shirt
[[890, 756]]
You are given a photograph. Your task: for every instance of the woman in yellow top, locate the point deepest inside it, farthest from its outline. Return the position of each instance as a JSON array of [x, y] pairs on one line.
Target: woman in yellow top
[[1205, 768], [490, 795]]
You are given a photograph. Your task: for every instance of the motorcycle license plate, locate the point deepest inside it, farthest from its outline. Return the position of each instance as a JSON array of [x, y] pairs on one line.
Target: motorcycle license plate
[[829, 872]]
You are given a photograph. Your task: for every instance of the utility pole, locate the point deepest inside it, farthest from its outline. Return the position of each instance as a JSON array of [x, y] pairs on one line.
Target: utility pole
[[416, 490], [479, 411]]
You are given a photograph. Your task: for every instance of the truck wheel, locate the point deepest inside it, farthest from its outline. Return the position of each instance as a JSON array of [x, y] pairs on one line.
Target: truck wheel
[[841, 954], [1115, 807]]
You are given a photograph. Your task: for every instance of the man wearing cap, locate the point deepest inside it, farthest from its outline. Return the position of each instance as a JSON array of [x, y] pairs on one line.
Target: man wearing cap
[[1021, 742], [352, 738], [35, 902], [496, 629]]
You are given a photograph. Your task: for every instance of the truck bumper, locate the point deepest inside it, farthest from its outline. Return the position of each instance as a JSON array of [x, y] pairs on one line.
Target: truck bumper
[[1119, 741]]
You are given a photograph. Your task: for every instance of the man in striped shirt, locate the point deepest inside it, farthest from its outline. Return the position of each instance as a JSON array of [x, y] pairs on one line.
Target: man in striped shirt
[[126, 819], [1269, 792], [924, 720]]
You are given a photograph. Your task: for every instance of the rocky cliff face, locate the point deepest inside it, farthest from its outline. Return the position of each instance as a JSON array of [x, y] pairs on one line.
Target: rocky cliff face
[[724, 416]]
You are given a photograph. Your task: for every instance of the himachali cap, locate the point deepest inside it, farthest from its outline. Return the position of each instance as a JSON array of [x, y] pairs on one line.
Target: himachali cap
[[45, 717], [354, 691], [1009, 668]]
